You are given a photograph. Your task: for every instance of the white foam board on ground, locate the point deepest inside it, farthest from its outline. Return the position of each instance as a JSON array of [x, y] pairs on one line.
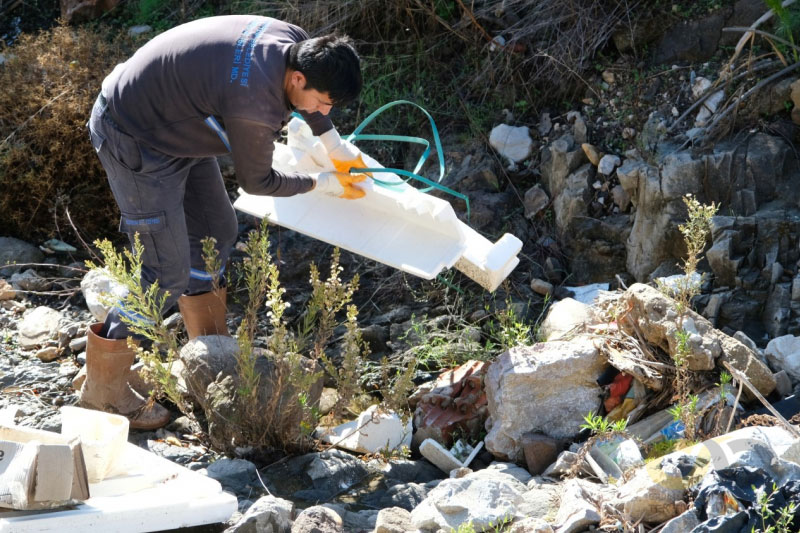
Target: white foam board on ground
[[153, 494]]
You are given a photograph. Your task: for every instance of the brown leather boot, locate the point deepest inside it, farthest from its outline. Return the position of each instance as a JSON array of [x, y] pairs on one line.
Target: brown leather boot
[[204, 314], [106, 388]]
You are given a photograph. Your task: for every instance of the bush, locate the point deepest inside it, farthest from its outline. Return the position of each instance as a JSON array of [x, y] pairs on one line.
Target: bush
[[48, 85]]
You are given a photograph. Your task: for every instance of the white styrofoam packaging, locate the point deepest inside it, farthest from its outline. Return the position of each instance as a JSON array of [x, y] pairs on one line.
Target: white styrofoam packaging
[[150, 494], [398, 226]]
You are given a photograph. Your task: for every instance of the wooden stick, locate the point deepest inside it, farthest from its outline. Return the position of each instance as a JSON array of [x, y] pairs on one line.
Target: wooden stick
[[743, 379]]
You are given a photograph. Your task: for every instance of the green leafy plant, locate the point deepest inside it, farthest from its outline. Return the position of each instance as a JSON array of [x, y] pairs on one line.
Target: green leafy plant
[[601, 426], [723, 384], [774, 521], [147, 305]]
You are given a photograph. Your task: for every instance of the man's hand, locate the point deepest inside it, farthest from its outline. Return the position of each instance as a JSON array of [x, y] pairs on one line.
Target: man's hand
[[343, 155], [340, 184]]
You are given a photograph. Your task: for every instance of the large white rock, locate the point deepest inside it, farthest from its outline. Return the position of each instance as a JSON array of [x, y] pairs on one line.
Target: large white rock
[[38, 326], [482, 498], [268, 515], [94, 285], [512, 142], [783, 353], [374, 429], [547, 388], [563, 317]]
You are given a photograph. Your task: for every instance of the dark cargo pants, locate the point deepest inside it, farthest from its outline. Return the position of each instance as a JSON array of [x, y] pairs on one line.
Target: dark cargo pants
[[172, 203]]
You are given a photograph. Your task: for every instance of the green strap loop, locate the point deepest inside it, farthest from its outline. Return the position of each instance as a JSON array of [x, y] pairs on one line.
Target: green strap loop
[[357, 135]]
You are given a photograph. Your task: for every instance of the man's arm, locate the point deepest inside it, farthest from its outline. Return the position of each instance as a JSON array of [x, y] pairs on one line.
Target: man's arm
[[252, 147]]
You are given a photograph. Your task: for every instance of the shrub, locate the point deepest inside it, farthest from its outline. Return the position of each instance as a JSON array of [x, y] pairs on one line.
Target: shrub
[[48, 85]]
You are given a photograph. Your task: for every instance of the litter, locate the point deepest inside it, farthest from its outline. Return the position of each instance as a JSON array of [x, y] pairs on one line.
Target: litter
[[445, 459], [139, 491], [397, 225], [371, 432]]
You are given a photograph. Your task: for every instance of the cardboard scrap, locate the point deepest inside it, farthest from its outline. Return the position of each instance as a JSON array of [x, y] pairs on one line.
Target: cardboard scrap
[[40, 469]]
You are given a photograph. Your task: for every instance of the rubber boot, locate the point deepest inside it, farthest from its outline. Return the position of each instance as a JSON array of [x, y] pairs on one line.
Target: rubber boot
[[106, 388], [204, 314]]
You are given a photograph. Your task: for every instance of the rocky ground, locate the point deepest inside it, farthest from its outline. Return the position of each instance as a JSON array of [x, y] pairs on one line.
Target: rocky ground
[[594, 190]]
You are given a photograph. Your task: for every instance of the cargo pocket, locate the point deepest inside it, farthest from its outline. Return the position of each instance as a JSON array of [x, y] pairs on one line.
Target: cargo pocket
[[151, 228]]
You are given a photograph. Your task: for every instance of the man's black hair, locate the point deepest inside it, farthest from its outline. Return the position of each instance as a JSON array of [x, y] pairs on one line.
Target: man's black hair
[[330, 65]]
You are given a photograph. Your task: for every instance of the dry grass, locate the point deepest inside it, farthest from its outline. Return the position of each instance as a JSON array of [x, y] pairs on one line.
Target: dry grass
[[47, 87]]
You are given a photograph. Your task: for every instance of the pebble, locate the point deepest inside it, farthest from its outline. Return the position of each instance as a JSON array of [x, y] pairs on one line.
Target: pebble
[[47, 354]]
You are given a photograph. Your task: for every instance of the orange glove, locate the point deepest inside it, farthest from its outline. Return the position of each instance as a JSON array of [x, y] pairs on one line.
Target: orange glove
[[343, 186], [343, 155]]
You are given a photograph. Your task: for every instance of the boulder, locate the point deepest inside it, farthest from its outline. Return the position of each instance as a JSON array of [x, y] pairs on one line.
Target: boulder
[[16, 252], [783, 353], [38, 326], [484, 498], [547, 388]]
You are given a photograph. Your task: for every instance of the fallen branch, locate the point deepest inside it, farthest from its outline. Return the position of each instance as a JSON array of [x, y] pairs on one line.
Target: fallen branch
[[743, 379]]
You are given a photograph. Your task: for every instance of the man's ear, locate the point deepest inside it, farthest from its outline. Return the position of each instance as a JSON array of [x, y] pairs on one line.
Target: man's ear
[[298, 79]]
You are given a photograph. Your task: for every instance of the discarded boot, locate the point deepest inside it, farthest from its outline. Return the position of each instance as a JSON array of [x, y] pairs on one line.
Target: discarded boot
[[204, 314], [106, 388]]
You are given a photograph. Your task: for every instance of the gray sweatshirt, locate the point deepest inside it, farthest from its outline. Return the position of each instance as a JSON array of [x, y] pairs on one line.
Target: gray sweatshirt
[[212, 86]]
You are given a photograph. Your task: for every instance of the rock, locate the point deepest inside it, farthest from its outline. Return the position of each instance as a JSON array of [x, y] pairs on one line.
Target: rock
[[700, 86], [608, 163], [559, 159], [542, 287], [38, 326], [393, 520], [78, 344], [30, 281], [545, 124], [535, 200], [531, 525], [94, 285], [47, 354], [621, 198], [319, 476], [16, 252], [776, 310], [540, 451], [374, 430], [565, 318], [579, 129], [7, 292], [318, 519], [680, 524], [235, 475], [134, 31], [569, 203], [354, 521], [517, 472], [576, 512], [483, 498], [547, 388], [783, 353], [608, 77], [327, 400], [651, 493], [83, 10], [267, 515], [511, 142], [204, 358], [592, 154], [783, 384]]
